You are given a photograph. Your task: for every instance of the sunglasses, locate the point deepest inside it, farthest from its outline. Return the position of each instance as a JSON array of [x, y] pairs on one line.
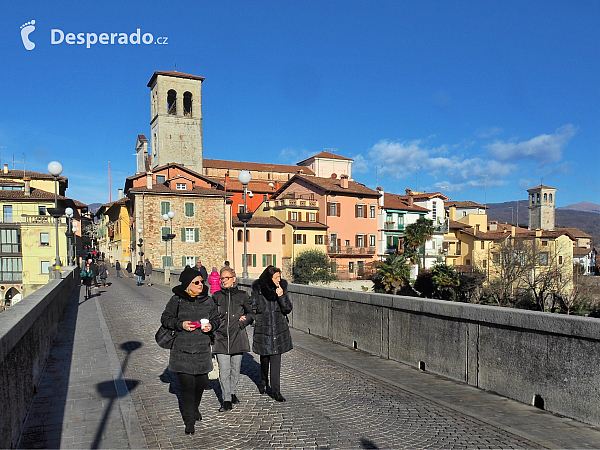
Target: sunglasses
[[226, 278], [196, 282]]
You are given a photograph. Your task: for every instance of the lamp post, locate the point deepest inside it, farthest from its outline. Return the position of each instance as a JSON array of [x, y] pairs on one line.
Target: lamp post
[[74, 228], [140, 243], [55, 168], [69, 234], [169, 236], [171, 214], [244, 217]]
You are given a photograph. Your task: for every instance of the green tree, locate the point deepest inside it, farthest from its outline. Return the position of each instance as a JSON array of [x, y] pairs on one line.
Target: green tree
[[311, 266], [446, 281], [392, 275], [416, 234]]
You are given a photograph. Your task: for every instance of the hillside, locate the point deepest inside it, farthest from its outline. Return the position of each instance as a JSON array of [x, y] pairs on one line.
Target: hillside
[[584, 220], [583, 206]]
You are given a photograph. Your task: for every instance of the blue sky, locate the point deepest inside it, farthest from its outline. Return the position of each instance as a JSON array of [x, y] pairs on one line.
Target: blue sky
[[478, 99]]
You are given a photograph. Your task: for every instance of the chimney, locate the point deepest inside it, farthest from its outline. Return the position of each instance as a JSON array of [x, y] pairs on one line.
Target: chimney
[[5, 169], [149, 180], [538, 233], [27, 185], [452, 213], [513, 231], [411, 199], [226, 179], [381, 198], [344, 181], [120, 193]]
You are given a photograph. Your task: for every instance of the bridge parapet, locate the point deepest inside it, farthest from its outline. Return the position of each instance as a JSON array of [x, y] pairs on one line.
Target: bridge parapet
[[27, 333]]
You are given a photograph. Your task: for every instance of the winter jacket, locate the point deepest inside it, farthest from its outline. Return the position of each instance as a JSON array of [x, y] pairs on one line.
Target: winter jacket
[[128, 267], [86, 276], [102, 271], [139, 270], [118, 266], [214, 280], [231, 336], [191, 351], [203, 272], [271, 330], [148, 269], [94, 268]]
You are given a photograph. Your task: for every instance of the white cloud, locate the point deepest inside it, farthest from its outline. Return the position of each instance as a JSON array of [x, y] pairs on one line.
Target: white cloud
[[360, 164], [545, 148]]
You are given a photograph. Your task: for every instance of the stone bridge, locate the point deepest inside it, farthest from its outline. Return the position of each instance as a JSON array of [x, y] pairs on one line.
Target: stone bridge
[[367, 371]]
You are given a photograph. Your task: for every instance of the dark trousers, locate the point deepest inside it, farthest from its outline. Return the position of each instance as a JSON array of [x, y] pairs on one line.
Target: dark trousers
[[191, 388], [274, 361]]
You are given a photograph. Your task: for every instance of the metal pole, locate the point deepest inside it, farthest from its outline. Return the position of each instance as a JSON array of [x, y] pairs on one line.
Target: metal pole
[[245, 274], [171, 232], [57, 259]]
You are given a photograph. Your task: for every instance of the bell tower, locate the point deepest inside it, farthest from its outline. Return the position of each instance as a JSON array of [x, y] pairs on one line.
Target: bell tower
[[541, 207], [176, 119]]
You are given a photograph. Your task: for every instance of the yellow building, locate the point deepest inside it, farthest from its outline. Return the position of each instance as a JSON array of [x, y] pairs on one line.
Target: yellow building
[[114, 231], [28, 243]]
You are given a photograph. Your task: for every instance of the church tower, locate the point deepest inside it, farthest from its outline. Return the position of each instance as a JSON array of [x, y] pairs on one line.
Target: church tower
[[176, 124], [541, 207]]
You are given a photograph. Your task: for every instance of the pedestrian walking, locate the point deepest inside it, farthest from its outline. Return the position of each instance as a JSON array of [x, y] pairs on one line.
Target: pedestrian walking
[[94, 268], [102, 273], [200, 268], [231, 338], [148, 272], [86, 276], [118, 268], [191, 357], [139, 271], [271, 304], [128, 269], [214, 281]]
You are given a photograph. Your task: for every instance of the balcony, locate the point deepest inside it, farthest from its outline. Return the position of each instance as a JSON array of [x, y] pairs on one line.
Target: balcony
[[293, 202], [348, 250], [392, 226]]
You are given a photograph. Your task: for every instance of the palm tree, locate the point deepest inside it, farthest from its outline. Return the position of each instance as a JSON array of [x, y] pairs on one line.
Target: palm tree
[[416, 234], [392, 275]]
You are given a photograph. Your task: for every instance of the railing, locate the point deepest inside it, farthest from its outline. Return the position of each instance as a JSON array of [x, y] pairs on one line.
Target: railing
[[392, 226], [293, 202], [40, 220], [347, 250]]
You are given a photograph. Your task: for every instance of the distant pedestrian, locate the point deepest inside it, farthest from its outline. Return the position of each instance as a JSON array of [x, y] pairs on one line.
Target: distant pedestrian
[[226, 264], [128, 269], [118, 268], [200, 268], [190, 356], [94, 268], [271, 305], [139, 271], [148, 271], [231, 338], [103, 273], [214, 280]]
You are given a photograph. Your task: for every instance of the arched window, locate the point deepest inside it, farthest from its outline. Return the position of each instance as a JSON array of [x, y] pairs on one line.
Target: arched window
[[240, 233], [187, 104], [172, 102], [550, 197], [268, 235], [538, 197], [545, 197]]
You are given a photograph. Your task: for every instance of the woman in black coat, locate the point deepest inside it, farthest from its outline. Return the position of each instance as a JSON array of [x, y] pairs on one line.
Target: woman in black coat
[[231, 339], [272, 337], [191, 356]]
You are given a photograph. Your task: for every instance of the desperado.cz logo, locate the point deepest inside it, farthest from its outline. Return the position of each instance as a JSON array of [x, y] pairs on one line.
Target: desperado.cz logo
[[58, 36]]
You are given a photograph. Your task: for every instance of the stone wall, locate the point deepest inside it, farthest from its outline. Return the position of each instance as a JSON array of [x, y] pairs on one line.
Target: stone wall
[[27, 333], [536, 358]]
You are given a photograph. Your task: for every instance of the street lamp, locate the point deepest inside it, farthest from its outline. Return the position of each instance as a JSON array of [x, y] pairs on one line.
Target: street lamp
[[140, 243], [171, 214], [75, 228], [169, 236], [245, 178], [55, 168], [69, 233]]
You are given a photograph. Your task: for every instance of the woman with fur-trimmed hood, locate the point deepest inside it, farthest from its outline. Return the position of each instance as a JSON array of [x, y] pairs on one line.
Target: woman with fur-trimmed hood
[[271, 305]]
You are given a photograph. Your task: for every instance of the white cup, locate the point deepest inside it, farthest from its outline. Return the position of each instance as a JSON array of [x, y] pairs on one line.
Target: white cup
[[204, 322]]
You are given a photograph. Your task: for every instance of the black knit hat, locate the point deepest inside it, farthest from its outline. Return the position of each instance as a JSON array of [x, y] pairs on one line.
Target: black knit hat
[[188, 275]]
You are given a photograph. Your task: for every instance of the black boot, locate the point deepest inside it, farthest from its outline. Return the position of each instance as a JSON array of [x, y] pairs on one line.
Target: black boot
[[226, 407], [278, 397], [189, 428], [198, 415], [234, 399]]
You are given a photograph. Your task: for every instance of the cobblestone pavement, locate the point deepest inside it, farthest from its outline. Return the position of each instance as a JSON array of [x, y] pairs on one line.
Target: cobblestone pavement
[[329, 406], [333, 401]]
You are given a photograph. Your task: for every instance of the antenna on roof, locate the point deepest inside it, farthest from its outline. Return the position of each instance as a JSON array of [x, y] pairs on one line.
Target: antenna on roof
[[175, 65], [331, 149]]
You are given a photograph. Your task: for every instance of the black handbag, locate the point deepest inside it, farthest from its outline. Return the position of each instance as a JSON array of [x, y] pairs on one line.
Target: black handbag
[[165, 337]]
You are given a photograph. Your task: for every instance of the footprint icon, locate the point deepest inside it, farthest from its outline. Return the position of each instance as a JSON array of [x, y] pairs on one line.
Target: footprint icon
[[26, 30]]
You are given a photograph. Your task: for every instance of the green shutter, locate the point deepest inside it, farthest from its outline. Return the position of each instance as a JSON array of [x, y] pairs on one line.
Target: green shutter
[[243, 260], [196, 235], [254, 260], [182, 234], [189, 209], [165, 207], [183, 261], [274, 260], [164, 231], [264, 260]]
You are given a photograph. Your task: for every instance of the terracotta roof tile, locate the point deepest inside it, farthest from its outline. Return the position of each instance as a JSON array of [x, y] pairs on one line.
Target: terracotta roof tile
[[250, 166], [307, 225], [574, 231], [333, 186], [463, 204], [259, 222], [162, 189], [395, 201], [581, 251], [327, 155], [37, 194], [173, 74]]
